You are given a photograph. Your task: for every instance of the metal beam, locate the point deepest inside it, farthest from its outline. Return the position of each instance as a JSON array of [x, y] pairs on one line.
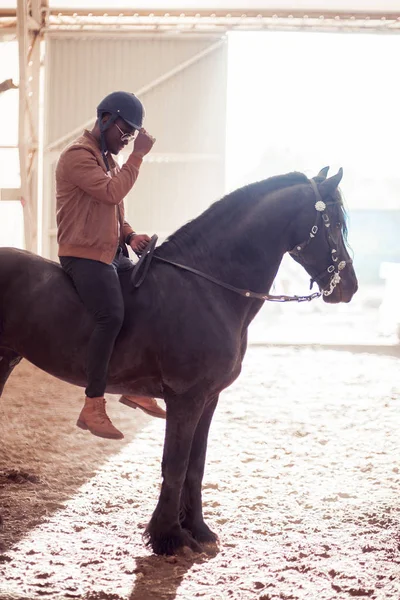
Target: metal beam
[[243, 12], [215, 24], [33, 24], [376, 17], [8, 84], [23, 135], [30, 22], [378, 11], [8, 194]]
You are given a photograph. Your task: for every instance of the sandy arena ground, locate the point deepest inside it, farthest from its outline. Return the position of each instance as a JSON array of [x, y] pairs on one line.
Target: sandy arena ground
[[302, 485]]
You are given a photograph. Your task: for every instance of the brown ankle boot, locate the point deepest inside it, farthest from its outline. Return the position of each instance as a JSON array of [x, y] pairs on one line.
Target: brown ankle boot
[[148, 405], [94, 418]]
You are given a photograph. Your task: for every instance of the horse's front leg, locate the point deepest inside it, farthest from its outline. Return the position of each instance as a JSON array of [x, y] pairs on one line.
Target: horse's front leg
[[191, 499], [164, 532]]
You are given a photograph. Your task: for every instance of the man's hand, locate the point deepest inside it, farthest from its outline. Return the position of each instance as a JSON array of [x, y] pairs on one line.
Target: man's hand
[[139, 242], [143, 143]]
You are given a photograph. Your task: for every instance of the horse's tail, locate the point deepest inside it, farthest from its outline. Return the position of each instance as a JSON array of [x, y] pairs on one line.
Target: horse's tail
[[5, 271], [8, 360], [10, 259], [13, 263]]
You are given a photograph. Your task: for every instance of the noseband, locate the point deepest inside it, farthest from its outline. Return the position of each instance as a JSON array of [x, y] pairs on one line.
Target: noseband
[[321, 221]]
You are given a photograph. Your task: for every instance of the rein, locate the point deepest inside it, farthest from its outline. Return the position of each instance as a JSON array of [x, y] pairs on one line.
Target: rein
[[146, 258], [246, 293]]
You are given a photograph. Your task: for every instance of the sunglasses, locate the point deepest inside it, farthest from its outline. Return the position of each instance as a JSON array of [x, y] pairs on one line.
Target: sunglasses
[[127, 137]]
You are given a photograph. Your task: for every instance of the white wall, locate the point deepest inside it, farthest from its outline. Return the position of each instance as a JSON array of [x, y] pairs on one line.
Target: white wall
[[185, 112]]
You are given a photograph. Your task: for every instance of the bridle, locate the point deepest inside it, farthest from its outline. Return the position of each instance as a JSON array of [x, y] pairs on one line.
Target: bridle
[[142, 266], [322, 221]]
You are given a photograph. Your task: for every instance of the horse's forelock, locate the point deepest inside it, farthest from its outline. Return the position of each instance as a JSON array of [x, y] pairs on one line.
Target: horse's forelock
[[339, 212]]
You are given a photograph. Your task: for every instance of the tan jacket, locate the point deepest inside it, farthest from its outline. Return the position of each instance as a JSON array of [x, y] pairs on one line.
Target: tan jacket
[[90, 201]]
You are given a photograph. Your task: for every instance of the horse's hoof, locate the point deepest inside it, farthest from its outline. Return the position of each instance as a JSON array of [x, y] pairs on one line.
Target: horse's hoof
[[202, 533], [193, 545], [211, 549], [173, 543], [188, 553]]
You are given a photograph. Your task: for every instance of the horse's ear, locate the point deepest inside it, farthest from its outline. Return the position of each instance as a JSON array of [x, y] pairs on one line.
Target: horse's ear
[[328, 186], [322, 174]]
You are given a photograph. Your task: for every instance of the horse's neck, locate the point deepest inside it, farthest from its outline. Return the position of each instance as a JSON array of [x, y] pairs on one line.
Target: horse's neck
[[245, 255]]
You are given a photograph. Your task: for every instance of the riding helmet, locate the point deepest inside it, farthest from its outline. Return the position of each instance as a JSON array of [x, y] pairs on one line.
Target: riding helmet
[[119, 104], [124, 105]]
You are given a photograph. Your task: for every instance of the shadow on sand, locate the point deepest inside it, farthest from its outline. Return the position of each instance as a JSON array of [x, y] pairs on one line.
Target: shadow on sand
[[159, 577]]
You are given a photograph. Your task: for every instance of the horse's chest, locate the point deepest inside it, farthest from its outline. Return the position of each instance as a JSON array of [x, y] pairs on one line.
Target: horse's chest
[[211, 364]]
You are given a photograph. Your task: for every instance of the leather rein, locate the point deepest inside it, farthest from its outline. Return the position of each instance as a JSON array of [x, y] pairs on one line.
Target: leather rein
[[145, 259]]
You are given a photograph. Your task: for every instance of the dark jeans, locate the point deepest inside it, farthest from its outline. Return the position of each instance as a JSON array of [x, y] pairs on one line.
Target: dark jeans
[[99, 289]]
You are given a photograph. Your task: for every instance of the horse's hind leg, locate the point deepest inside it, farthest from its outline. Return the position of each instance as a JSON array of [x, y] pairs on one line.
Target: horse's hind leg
[[8, 360], [191, 499]]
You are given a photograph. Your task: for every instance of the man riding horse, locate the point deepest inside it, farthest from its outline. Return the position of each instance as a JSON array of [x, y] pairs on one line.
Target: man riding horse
[[93, 235]]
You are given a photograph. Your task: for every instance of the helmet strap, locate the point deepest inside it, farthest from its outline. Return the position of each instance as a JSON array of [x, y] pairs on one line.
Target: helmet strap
[[104, 150], [103, 129]]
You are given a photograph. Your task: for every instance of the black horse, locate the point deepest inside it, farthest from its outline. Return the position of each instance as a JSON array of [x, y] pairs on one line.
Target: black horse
[[184, 336]]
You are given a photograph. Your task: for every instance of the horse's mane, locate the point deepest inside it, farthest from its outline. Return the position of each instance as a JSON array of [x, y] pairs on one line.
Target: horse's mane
[[223, 211], [226, 211]]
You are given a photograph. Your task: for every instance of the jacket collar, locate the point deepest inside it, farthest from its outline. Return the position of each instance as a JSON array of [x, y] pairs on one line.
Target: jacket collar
[[89, 136], [93, 142]]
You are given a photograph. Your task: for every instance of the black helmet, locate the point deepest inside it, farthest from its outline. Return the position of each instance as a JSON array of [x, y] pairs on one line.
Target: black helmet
[[124, 105], [119, 104]]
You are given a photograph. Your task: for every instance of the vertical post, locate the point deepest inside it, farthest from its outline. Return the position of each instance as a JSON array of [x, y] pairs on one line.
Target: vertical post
[[22, 30], [29, 22], [34, 67]]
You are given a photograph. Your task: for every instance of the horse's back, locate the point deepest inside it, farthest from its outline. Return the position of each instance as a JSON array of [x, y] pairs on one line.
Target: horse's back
[[24, 274], [15, 262], [34, 293]]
